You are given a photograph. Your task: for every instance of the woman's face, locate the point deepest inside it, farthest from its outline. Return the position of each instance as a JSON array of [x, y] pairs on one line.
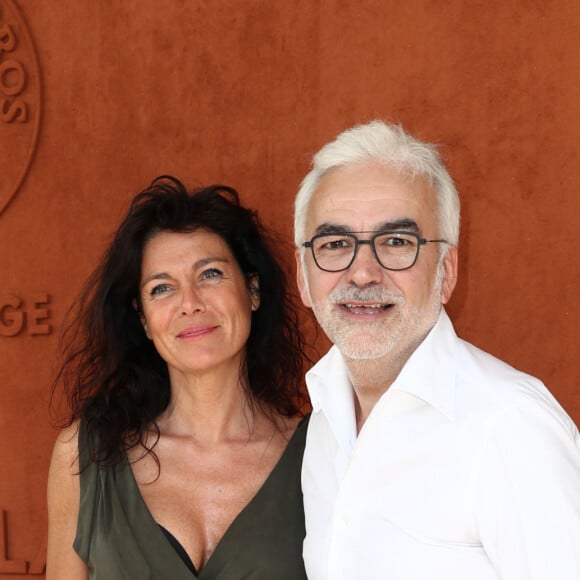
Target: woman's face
[[197, 305]]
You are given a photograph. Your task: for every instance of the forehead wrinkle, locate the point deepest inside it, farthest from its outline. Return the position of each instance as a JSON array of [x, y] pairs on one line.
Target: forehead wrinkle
[[209, 260]]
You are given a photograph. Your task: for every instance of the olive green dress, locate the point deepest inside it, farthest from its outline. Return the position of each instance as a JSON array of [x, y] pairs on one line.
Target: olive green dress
[[118, 538]]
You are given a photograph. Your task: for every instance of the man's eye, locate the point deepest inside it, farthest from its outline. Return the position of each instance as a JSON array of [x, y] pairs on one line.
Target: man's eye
[[337, 244], [396, 241]]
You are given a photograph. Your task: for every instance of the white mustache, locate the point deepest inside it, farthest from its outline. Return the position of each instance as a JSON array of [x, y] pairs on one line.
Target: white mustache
[[374, 294]]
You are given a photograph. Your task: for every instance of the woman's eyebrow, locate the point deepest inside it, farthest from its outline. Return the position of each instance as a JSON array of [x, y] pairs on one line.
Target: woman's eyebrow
[[199, 264]]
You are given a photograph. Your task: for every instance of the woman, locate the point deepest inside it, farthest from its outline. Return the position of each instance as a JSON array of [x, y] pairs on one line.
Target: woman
[[181, 457]]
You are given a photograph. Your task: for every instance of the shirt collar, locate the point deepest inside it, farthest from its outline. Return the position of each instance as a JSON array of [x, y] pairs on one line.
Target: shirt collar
[[331, 392], [429, 374]]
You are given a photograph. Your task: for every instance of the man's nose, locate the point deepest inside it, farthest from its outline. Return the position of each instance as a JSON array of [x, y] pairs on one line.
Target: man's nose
[[365, 269]]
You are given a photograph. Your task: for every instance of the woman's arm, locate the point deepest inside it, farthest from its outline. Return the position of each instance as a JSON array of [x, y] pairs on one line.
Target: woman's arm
[[63, 508]]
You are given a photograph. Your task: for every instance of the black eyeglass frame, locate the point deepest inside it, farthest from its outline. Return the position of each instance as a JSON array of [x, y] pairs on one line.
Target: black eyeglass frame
[[370, 242]]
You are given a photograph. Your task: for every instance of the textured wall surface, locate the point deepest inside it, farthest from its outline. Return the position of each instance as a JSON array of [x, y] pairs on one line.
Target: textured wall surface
[[97, 98]]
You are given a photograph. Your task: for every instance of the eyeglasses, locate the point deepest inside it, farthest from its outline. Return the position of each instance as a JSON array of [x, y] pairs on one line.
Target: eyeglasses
[[396, 250]]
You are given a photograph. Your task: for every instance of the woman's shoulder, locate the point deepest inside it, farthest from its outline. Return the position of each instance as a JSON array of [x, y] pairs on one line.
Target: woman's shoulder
[[293, 434], [66, 445], [292, 427], [300, 424], [63, 495], [63, 485]]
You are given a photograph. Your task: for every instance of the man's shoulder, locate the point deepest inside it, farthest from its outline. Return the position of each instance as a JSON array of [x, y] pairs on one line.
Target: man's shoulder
[[489, 385], [477, 364]]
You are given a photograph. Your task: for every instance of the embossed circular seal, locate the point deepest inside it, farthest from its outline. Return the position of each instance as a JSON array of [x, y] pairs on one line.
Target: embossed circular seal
[[20, 101]]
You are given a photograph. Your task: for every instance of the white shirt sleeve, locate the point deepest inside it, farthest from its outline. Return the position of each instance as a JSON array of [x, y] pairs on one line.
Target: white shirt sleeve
[[527, 493]]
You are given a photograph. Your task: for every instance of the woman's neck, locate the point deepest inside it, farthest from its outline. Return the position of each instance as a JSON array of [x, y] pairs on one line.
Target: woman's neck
[[212, 407]]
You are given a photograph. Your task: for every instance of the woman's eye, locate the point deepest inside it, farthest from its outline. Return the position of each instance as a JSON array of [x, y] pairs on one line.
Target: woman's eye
[[211, 273], [159, 289]]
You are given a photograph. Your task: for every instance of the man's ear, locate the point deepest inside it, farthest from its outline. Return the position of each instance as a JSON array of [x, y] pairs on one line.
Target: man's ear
[[300, 279], [449, 266], [254, 287]]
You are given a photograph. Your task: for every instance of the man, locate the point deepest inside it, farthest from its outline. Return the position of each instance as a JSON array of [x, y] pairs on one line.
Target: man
[[426, 458]]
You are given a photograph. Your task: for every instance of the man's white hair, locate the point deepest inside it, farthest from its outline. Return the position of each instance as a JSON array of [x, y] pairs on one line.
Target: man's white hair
[[391, 146]]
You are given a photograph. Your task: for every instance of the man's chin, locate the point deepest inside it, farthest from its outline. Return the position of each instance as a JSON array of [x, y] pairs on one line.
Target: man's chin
[[362, 346], [363, 356]]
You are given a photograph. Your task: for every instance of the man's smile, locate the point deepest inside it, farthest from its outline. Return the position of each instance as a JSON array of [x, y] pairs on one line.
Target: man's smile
[[366, 309]]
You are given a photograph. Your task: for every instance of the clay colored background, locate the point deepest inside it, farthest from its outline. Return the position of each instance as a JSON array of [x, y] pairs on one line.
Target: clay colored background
[[242, 92]]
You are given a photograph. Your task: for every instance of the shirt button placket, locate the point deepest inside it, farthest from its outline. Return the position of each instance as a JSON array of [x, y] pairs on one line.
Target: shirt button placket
[[341, 522]]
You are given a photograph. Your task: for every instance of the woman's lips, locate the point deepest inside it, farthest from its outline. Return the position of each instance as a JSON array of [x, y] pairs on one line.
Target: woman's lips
[[193, 332]]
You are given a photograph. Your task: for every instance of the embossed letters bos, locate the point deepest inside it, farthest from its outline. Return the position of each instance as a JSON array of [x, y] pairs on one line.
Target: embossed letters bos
[[19, 100]]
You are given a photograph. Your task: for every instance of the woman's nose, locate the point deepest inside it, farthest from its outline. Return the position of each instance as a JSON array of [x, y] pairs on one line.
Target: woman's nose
[[191, 301]]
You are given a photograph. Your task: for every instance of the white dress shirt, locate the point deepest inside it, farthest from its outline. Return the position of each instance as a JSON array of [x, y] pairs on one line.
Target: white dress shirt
[[466, 469]]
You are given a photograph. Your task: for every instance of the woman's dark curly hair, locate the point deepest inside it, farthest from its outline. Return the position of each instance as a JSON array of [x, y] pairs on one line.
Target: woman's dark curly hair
[[115, 381]]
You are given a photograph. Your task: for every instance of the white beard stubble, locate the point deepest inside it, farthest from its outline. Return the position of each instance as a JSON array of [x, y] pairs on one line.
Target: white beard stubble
[[400, 333]]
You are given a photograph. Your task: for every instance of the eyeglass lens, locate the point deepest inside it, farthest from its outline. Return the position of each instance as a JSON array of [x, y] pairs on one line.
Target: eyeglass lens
[[394, 251]]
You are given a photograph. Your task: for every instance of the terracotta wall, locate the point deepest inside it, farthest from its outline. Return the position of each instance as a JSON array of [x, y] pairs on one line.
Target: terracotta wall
[[99, 97]]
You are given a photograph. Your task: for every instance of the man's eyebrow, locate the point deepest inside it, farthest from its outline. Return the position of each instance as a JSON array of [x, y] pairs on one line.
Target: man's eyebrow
[[406, 224], [329, 228]]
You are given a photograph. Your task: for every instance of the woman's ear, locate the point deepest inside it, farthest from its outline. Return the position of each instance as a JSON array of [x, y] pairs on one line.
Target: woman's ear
[[144, 324], [254, 288], [141, 318]]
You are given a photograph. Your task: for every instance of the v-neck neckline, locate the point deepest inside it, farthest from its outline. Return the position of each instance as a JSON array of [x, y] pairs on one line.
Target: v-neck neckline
[[224, 539]]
